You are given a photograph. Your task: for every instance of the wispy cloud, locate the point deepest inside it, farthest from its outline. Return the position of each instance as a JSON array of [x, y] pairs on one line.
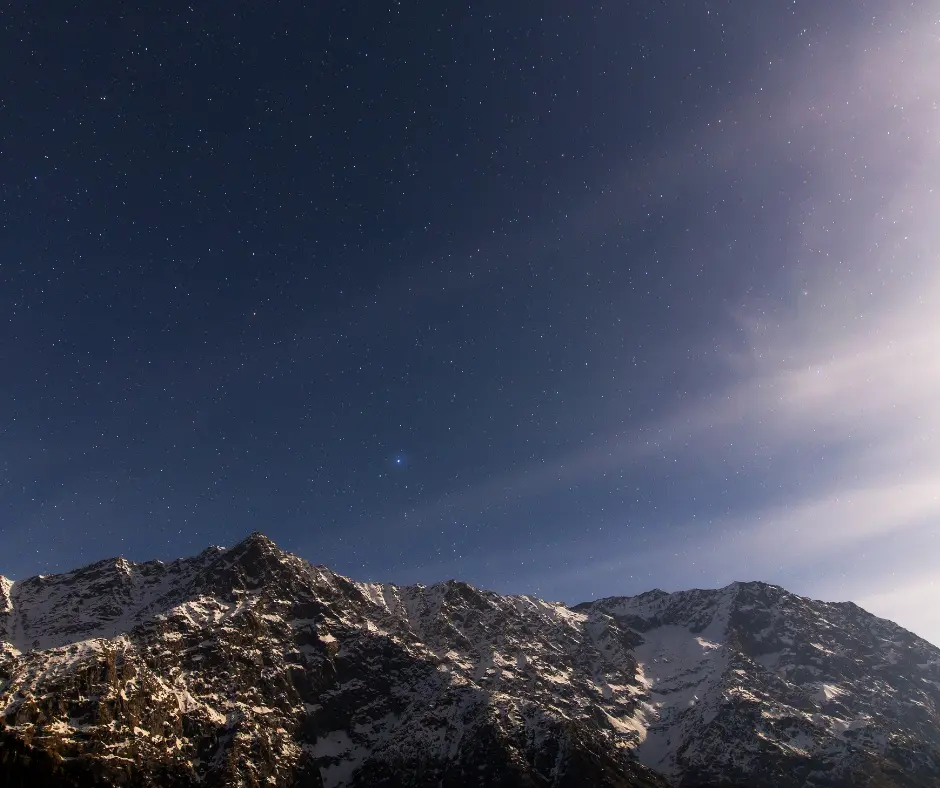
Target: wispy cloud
[[841, 377], [838, 376]]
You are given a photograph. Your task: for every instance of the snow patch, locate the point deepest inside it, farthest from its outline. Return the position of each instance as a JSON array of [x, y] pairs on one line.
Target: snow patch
[[828, 692], [681, 671], [635, 727], [339, 757]]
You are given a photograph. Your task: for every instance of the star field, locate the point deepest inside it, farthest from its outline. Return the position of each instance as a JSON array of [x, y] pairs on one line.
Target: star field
[[426, 290]]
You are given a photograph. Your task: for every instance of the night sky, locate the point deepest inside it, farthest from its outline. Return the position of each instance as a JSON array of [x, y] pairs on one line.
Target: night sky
[[558, 298]]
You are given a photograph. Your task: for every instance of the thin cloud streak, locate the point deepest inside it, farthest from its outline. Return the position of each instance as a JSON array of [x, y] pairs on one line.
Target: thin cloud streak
[[842, 372], [855, 322], [855, 365]]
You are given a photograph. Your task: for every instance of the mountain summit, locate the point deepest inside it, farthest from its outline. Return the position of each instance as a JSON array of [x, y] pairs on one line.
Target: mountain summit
[[248, 666]]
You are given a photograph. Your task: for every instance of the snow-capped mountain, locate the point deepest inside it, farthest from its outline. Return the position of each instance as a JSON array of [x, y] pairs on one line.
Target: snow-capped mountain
[[249, 666]]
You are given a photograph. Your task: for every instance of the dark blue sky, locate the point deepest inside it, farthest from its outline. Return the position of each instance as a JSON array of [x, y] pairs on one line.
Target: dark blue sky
[[419, 289]]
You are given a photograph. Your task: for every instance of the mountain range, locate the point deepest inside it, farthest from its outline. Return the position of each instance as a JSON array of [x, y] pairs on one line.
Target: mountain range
[[249, 666]]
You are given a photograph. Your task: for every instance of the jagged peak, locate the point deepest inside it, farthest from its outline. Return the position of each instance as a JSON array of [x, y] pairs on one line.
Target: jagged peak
[[257, 560], [119, 563], [652, 594], [753, 584], [453, 583], [256, 539], [658, 593], [212, 551]]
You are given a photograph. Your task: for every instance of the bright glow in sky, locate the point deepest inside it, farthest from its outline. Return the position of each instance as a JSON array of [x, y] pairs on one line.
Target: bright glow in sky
[[837, 384]]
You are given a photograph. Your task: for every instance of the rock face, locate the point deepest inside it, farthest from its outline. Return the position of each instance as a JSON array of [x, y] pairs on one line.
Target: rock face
[[250, 667]]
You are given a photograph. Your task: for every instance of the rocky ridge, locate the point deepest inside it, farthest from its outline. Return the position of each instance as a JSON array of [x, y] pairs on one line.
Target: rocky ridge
[[249, 666]]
